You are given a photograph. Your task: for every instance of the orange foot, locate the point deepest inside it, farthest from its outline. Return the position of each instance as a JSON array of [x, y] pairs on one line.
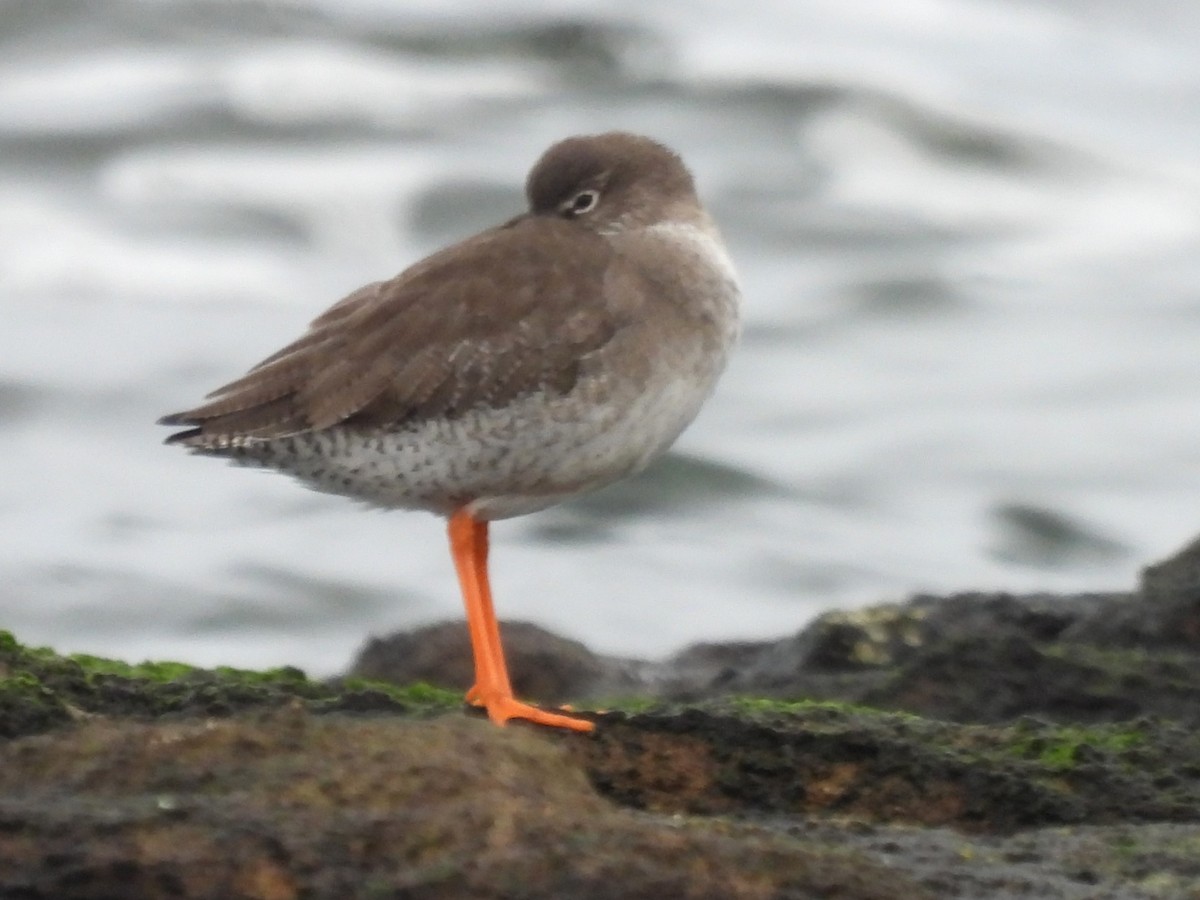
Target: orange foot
[[502, 708]]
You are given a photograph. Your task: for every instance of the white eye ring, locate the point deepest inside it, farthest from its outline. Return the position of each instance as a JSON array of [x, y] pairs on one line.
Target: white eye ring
[[582, 203]]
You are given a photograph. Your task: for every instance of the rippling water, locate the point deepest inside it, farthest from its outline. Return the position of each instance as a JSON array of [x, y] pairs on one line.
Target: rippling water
[[967, 233]]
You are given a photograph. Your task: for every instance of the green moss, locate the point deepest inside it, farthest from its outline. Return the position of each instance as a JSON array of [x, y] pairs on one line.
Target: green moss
[[417, 694], [1060, 748], [628, 705], [1043, 752], [149, 671], [283, 675], [166, 671]]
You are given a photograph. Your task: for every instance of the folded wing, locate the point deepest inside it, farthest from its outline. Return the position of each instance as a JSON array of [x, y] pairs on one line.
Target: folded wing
[[510, 312]]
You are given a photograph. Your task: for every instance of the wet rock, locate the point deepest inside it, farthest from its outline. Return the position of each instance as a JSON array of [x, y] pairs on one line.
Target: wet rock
[[285, 805], [973, 657], [41, 690], [1037, 745]]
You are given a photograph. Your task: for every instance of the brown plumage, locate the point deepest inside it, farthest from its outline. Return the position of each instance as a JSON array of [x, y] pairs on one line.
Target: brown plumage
[[553, 354], [508, 312], [425, 344]]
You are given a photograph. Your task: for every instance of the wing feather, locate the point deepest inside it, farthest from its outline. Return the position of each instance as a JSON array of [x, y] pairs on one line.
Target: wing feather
[[509, 312]]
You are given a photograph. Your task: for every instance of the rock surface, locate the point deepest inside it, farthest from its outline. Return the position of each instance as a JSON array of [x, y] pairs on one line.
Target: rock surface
[[975, 746], [970, 658]]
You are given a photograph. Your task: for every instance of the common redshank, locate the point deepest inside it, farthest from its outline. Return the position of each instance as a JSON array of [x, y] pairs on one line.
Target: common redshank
[[551, 355]]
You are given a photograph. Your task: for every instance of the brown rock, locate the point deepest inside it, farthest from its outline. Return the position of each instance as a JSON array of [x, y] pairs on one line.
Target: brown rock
[[286, 805], [544, 666]]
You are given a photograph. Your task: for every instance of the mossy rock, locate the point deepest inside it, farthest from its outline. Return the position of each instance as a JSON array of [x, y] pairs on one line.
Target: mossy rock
[[41, 689]]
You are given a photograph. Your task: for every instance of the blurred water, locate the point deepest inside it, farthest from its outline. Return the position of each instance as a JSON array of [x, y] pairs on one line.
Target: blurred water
[[967, 232]]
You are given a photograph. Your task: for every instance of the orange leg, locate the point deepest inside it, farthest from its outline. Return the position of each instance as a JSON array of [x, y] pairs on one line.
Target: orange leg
[[469, 545]]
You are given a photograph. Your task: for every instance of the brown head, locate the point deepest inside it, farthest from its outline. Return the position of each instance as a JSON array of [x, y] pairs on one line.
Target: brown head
[[610, 182]]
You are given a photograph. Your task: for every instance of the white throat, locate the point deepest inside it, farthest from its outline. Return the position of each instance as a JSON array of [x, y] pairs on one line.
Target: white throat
[[701, 239]]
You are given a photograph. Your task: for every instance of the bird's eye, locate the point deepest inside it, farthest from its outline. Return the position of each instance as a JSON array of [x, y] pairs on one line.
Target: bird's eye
[[581, 203]]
